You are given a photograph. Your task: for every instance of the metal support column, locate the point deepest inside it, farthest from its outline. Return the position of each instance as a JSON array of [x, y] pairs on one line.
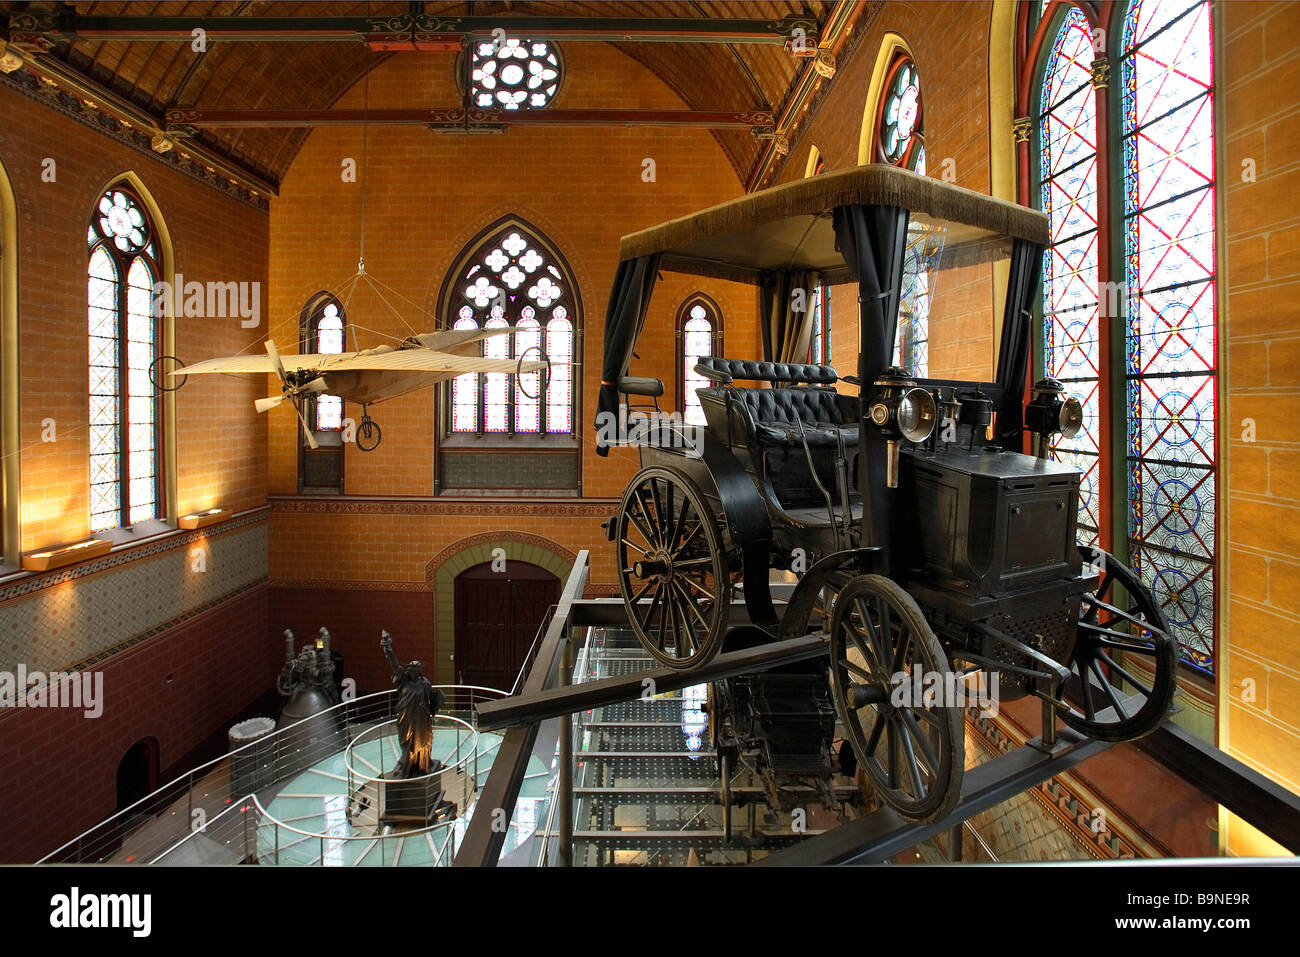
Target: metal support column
[[564, 790]]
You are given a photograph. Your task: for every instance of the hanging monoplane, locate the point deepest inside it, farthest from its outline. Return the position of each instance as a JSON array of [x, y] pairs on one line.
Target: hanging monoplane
[[371, 375]]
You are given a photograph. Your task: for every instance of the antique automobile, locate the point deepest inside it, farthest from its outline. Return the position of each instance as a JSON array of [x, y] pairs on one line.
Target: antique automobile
[[917, 501]]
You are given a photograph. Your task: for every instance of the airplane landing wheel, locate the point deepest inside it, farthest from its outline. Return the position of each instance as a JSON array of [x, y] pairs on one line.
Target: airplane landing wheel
[[158, 373], [368, 434]]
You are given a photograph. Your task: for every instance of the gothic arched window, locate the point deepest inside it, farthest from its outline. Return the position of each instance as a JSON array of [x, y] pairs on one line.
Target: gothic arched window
[[121, 273], [514, 278], [699, 334], [1129, 307]]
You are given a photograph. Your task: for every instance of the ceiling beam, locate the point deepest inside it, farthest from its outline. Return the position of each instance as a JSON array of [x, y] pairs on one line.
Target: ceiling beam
[[28, 29], [183, 120], [839, 24]]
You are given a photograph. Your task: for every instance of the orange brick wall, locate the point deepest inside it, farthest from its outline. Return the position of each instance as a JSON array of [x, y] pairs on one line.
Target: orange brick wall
[[1259, 109], [221, 445], [941, 35], [426, 196]]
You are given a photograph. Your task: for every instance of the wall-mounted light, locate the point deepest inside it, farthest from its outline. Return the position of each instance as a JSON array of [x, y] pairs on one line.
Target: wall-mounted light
[[202, 519], [43, 561]]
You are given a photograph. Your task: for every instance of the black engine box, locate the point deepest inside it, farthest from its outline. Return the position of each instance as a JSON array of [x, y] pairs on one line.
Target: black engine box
[[986, 521]]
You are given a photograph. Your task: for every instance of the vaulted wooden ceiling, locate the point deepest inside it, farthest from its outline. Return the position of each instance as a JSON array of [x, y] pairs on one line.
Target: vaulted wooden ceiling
[[157, 76]]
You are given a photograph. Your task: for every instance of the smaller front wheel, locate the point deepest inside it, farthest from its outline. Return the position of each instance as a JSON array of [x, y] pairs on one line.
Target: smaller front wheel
[[882, 650]]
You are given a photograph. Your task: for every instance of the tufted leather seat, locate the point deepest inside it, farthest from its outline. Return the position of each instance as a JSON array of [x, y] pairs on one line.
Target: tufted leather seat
[[725, 371], [766, 422]]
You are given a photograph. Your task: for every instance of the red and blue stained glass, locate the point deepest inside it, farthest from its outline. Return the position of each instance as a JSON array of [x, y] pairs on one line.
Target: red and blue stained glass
[[1072, 343], [122, 332], [510, 281], [1167, 73]]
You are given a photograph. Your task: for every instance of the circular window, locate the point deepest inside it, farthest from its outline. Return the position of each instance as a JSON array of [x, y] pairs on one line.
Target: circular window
[[514, 74], [900, 123]]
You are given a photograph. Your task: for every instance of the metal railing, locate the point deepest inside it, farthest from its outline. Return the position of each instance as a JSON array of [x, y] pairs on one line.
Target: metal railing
[[197, 800]]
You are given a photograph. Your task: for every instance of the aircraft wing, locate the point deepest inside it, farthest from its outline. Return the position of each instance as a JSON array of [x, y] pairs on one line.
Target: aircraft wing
[[427, 360], [262, 363], [451, 338]]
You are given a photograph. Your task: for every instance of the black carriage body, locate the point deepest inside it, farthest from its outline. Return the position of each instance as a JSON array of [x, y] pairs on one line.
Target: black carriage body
[[992, 554]]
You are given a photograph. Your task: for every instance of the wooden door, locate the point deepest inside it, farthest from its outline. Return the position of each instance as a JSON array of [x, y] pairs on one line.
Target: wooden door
[[497, 616]]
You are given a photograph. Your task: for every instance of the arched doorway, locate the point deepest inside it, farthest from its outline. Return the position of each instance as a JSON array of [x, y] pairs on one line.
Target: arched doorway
[[497, 616], [137, 772]]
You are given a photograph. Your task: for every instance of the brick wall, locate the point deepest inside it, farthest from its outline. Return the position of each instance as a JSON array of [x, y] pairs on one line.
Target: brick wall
[[60, 767], [941, 35], [1259, 109], [427, 196], [221, 445]]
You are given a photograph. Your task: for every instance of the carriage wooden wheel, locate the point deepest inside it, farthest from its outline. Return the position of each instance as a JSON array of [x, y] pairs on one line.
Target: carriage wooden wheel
[[1121, 653], [911, 752], [672, 568]]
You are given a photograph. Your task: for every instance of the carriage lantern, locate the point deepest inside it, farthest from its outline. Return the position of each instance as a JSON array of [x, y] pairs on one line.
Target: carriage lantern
[[901, 410], [1051, 411]]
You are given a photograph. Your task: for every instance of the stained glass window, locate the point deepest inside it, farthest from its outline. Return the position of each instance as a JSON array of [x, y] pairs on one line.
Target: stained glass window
[[1072, 341], [899, 137], [328, 339], [1155, 316], [699, 331], [912, 334], [820, 349], [1167, 124], [514, 74], [123, 343], [510, 280]]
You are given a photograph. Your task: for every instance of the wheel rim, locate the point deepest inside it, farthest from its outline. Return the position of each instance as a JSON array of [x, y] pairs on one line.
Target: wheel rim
[[910, 751], [367, 431], [158, 375], [1119, 653], [672, 570]]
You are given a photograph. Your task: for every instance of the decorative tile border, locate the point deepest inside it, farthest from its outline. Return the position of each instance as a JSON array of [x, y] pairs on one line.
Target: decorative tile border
[[29, 583], [1070, 803], [189, 616]]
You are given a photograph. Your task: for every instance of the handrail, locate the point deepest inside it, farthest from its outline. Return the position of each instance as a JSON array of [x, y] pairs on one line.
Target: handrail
[[184, 784]]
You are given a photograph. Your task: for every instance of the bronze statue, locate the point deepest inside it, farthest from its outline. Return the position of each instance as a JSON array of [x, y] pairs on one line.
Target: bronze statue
[[417, 703]]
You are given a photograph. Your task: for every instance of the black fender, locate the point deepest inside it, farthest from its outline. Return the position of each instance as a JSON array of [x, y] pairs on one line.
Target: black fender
[[864, 560], [750, 527]]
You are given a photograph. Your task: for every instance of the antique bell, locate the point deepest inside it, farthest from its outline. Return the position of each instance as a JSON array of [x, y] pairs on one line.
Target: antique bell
[[901, 410]]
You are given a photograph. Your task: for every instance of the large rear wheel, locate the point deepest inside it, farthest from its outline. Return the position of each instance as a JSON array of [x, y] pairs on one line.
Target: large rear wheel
[[672, 569], [1125, 659], [911, 751]]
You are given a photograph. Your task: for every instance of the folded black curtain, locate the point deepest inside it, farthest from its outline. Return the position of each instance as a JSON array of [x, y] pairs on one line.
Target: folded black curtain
[[1013, 353], [786, 301], [624, 317], [872, 240]]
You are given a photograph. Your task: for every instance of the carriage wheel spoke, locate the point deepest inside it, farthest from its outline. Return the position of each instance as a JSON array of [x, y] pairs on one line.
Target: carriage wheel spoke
[[1101, 590], [909, 753], [674, 545], [862, 673], [643, 523], [1109, 689], [650, 612], [908, 717], [1085, 682], [1124, 671], [639, 595], [873, 739]]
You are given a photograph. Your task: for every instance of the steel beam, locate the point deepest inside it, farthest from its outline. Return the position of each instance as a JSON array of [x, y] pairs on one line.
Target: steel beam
[[1263, 803], [882, 834], [531, 707], [297, 119], [423, 31]]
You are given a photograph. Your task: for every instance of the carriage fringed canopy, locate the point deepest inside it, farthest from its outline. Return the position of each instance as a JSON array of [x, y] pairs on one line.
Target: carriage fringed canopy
[[789, 227]]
